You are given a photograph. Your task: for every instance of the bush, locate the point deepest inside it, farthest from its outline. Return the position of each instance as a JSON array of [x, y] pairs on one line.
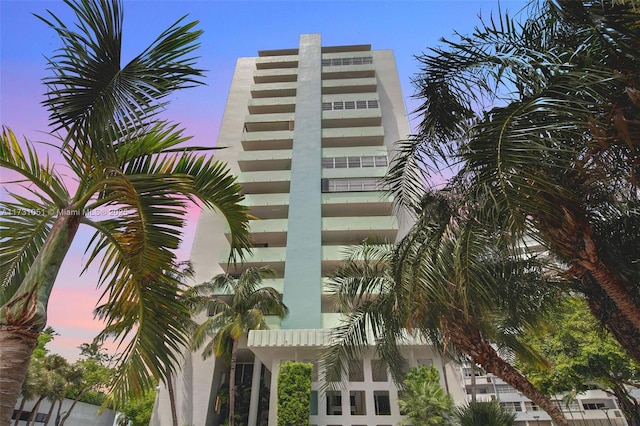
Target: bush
[[294, 394]]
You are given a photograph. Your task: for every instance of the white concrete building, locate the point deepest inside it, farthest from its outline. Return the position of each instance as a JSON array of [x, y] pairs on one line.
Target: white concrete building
[[308, 131], [590, 408]]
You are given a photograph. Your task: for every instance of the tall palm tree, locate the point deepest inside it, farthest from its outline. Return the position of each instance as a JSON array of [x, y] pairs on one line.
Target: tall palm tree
[[234, 307], [449, 282], [542, 117], [132, 184]]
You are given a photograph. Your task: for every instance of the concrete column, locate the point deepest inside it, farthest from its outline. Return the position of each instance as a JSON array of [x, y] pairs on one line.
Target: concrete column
[[255, 393], [273, 396], [303, 274]]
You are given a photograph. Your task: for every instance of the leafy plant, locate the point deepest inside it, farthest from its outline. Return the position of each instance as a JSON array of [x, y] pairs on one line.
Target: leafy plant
[[423, 400], [294, 394]]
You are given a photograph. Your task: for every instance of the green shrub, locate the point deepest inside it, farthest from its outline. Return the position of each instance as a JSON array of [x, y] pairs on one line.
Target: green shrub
[[294, 394]]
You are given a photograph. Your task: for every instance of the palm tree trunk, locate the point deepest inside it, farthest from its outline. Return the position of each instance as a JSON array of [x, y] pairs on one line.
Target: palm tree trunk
[[46, 420], [607, 312], [172, 402], [16, 346], [68, 413], [572, 236], [468, 339], [20, 410], [34, 412], [232, 382], [24, 316]]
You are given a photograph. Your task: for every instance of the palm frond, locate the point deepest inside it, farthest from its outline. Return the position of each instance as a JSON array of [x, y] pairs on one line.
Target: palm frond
[[31, 168], [90, 89]]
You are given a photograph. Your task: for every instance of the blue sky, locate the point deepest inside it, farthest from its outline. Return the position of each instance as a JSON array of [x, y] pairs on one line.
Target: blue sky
[[232, 29]]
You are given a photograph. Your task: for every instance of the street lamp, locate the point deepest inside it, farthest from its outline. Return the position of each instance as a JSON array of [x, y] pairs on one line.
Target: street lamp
[[536, 419], [606, 412]]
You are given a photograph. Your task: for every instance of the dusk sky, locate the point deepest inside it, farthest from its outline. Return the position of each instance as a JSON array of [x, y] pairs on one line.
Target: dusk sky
[[232, 29]]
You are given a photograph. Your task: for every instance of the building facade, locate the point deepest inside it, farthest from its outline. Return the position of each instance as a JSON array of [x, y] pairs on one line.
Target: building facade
[[308, 132]]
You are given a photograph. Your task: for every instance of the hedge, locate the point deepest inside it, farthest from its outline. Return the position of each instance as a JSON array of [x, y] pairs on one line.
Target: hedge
[[294, 394]]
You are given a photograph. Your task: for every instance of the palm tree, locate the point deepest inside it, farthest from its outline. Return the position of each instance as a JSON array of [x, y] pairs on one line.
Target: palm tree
[[132, 183], [478, 413], [450, 282], [424, 402], [541, 117], [234, 307]]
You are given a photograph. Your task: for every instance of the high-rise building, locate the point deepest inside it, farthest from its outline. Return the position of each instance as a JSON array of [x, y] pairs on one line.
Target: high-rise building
[[308, 131]]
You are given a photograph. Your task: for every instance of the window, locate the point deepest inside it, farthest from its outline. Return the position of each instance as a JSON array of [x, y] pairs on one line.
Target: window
[[334, 403], [356, 371], [530, 406], [505, 389], [379, 371], [353, 185], [342, 105], [340, 163], [358, 60], [593, 406], [356, 401], [368, 162], [314, 403], [382, 403], [513, 406], [354, 162]]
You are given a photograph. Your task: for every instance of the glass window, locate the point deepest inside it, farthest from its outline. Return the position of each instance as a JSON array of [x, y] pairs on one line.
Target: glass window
[[340, 163], [379, 371], [372, 104], [353, 162], [380, 161], [327, 163], [338, 105], [356, 401], [327, 106], [349, 105], [369, 184], [361, 104], [334, 403], [382, 403], [368, 162], [356, 371], [314, 403]]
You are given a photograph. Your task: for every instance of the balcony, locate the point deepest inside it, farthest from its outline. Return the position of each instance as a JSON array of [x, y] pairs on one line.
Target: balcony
[[275, 75], [267, 206], [357, 172], [349, 85], [272, 257], [354, 230], [268, 182], [253, 161], [275, 62], [352, 118], [353, 136], [269, 122], [269, 232], [272, 105], [274, 90], [332, 258], [281, 139], [375, 203], [348, 71]]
